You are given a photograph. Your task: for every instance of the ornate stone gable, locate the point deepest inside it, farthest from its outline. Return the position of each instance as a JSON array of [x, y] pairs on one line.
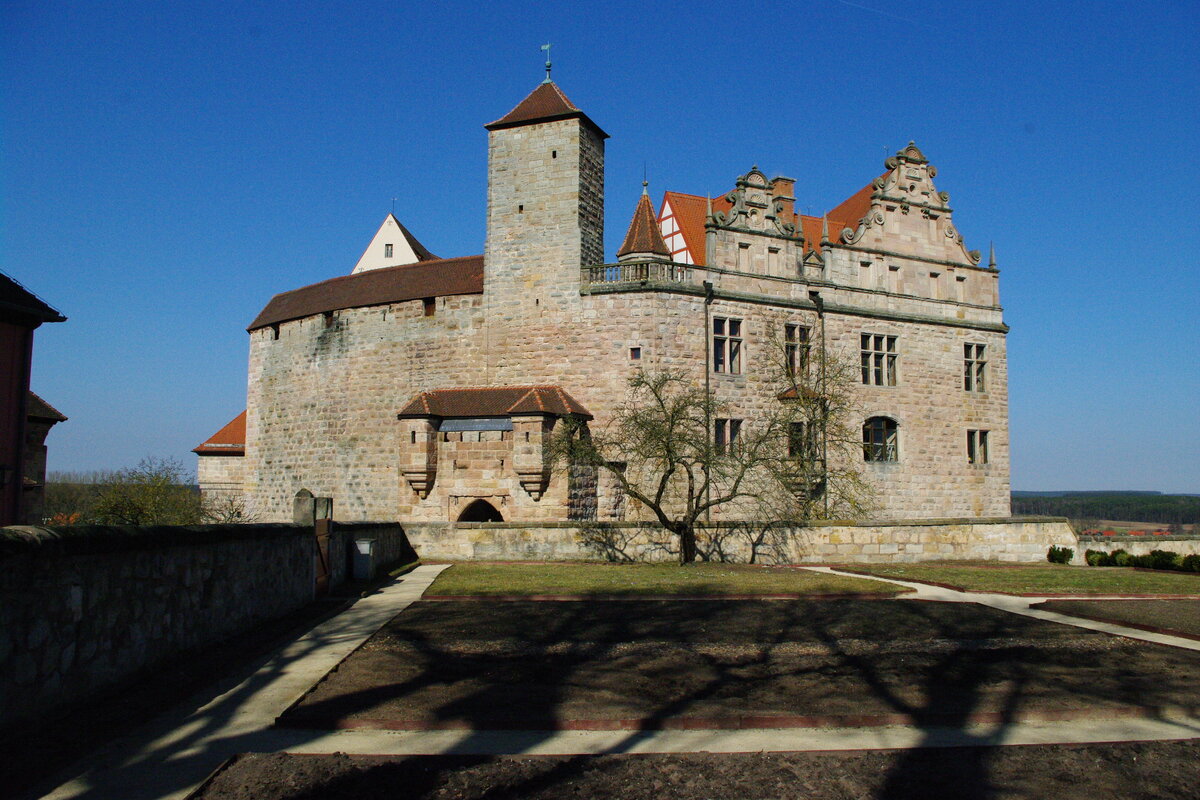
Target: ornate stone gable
[[759, 205], [909, 216]]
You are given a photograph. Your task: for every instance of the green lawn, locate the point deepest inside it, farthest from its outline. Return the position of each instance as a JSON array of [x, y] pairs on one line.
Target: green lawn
[[1041, 578], [640, 580]]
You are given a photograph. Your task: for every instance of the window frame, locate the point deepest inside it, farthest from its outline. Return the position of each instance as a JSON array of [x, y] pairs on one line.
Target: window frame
[[977, 448], [728, 345], [797, 348], [881, 440], [727, 432], [388, 250], [975, 363], [879, 359]]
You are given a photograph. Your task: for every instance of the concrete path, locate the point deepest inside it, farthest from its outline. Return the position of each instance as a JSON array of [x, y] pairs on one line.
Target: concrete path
[[176, 752], [1021, 605]]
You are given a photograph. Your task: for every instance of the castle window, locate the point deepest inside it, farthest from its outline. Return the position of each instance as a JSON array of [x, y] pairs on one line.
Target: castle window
[[796, 349], [430, 306], [521, 209], [977, 447], [802, 443], [275, 331], [975, 367], [880, 436], [635, 353], [328, 319], [878, 359], [727, 345], [727, 433], [554, 154], [387, 251]]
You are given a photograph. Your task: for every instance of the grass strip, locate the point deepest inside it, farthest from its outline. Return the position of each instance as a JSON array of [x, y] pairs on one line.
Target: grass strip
[[644, 580], [1041, 578]]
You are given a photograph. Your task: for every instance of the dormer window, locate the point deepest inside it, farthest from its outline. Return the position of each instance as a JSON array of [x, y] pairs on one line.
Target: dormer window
[[387, 251]]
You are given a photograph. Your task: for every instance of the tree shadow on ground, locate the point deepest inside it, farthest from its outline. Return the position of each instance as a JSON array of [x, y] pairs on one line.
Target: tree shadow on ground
[[939, 666]]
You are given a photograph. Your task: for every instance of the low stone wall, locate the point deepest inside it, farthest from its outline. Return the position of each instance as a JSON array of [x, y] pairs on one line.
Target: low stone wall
[[1012, 539], [87, 607], [1139, 545]]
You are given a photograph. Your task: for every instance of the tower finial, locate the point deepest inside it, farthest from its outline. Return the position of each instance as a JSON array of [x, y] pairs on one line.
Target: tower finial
[[991, 255], [825, 229], [645, 180], [708, 208], [546, 47]]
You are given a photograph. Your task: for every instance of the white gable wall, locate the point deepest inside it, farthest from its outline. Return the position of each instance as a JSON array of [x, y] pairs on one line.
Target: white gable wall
[[376, 257]]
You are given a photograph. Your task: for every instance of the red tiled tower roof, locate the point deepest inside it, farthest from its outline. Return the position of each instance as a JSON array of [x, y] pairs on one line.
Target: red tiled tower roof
[[644, 235], [544, 104], [494, 401], [229, 441]]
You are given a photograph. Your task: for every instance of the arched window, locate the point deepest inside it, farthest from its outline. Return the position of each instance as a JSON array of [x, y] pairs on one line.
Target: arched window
[[880, 439], [480, 511]]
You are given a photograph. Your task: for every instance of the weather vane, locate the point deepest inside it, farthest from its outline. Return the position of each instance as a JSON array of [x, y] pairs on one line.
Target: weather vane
[[546, 47]]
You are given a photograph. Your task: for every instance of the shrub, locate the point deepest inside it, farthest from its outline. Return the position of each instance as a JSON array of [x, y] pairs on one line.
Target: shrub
[[1121, 559], [1190, 563], [1059, 555], [1163, 559], [1097, 558]]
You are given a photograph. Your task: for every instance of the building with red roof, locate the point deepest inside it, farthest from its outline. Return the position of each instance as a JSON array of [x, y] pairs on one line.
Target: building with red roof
[[419, 388]]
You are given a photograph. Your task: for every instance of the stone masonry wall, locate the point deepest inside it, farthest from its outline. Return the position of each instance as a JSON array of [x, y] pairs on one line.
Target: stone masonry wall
[[84, 608], [1024, 540]]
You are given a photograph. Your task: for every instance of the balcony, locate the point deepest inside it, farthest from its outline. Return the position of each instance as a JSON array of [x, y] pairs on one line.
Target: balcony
[[639, 272]]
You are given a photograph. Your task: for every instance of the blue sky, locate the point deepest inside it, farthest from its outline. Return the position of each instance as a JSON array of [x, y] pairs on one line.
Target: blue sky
[[165, 169]]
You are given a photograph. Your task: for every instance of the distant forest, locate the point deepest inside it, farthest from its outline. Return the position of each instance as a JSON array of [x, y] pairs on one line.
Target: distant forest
[[1167, 509]]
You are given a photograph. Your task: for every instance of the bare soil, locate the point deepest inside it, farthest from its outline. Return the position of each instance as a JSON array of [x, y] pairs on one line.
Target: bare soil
[[662, 664], [1064, 772], [1168, 616]]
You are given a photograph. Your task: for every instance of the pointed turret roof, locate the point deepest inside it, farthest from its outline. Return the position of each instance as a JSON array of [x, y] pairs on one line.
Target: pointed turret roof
[[544, 104], [644, 235]]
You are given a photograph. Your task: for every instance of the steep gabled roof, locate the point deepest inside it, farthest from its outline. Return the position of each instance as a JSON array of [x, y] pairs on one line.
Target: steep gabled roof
[[494, 401], [24, 306], [850, 211], [407, 251], [644, 235], [37, 408], [690, 211], [544, 104], [229, 441], [445, 277]]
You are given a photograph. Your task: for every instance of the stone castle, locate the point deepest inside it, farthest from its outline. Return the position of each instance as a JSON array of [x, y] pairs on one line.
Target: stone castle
[[424, 389]]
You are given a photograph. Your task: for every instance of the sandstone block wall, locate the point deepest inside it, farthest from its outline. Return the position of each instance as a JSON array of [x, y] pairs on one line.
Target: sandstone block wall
[[84, 608], [1137, 545], [1017, 540]]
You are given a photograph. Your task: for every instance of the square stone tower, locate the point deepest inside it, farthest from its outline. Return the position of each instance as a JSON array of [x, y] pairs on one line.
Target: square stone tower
[[545, 207]]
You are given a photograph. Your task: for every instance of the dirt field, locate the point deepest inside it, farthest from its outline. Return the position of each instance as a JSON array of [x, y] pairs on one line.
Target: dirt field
[[1128, 771], [664, 664]]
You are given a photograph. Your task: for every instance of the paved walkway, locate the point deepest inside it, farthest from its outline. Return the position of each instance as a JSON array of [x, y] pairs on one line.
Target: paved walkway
[[1022, 605], [179, 750], [170, 758]]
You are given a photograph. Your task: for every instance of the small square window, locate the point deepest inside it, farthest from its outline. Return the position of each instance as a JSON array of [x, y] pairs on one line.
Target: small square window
[[635, 353], [387, 251], [430, 306]]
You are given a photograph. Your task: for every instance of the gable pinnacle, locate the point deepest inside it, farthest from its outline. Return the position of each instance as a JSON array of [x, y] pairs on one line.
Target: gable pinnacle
[[991, 255], [825, 229]]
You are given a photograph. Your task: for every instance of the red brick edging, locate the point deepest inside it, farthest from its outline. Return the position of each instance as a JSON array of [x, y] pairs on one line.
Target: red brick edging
[[575, 598]]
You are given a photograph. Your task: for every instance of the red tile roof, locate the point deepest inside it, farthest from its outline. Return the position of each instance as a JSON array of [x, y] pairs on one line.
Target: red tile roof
[[495, 401], [644, 235], [851, 210], [37, 408], [544, 104], [418, 249], [690, 212], [20, 304], [229, 441], [441, 278]]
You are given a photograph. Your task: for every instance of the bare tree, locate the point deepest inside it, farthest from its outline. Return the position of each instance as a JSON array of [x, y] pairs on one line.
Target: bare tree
[[158, 491], [674, 450]]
